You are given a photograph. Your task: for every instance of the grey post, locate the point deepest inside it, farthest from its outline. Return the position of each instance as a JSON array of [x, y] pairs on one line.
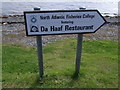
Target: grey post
[[40, 53], [78, 53]]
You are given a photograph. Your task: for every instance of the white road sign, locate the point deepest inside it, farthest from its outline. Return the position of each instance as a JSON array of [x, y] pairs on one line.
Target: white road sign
[[62, 22]]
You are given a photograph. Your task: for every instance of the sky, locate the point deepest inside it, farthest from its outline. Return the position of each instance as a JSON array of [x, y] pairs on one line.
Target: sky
[[59, 0]]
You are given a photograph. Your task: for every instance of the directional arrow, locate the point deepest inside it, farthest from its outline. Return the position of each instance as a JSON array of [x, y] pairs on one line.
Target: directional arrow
[[63, 22]]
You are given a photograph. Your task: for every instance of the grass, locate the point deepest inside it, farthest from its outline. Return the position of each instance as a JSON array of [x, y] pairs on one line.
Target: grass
[[99, 65]]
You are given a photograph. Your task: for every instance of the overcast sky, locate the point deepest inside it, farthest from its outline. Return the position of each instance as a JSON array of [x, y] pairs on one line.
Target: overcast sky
[[60, 0]]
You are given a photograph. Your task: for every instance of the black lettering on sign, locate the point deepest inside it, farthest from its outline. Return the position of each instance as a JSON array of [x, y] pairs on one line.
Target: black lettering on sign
[[88, 16], [67, 27], [44, 17], [57, 17], [53, 28], [43, 29], [67, 22], [68, 16]]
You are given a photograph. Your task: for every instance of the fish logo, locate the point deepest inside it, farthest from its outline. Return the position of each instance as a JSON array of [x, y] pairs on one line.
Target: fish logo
[[33, 19]]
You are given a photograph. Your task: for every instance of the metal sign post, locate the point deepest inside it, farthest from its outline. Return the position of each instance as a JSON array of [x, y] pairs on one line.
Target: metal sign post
[[78, 53], [40, 53]]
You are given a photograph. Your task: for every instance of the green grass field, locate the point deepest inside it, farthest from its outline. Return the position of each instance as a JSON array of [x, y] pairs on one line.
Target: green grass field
[[99, 65]]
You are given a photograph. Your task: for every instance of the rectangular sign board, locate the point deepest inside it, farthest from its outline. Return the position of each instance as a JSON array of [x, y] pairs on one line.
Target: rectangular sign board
[[62, 22]]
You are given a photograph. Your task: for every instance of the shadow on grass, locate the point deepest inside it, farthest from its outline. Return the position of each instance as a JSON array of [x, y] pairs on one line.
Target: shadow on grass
[[75, 76], [74, 79], [69, 82], [38, 83]]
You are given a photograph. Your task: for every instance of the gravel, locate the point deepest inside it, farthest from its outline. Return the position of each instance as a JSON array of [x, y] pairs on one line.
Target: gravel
[[15, 32]]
